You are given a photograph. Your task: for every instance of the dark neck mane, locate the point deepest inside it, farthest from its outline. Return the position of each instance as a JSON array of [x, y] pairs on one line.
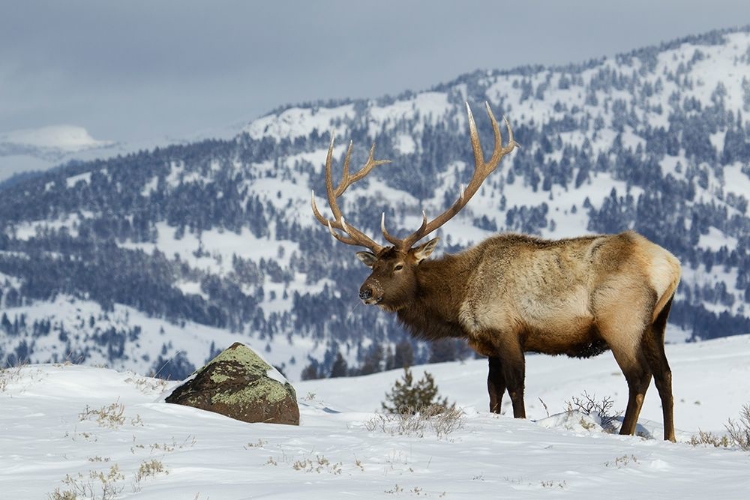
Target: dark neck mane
[[433, 314]]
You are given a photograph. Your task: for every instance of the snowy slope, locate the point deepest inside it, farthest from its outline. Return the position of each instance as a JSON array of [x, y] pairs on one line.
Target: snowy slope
[[53, 441]]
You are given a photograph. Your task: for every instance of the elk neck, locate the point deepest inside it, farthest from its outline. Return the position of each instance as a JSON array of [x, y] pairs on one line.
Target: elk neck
[[441, 289]]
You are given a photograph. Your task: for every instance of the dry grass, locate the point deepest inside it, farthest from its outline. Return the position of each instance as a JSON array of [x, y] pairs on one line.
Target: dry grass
[[709, 439], [112, 416], [100, 485], [417, 422]]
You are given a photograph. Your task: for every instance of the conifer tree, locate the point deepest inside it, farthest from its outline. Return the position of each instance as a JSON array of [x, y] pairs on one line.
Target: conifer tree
[[408, 397]]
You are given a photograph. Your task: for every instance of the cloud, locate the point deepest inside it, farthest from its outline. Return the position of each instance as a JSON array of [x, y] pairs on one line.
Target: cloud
[[127, 70]]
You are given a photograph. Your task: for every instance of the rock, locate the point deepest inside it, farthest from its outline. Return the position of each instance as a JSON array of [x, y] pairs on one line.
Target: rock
[[240, 384]]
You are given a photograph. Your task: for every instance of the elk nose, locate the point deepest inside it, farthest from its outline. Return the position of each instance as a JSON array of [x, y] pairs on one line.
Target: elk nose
[[365, 293]]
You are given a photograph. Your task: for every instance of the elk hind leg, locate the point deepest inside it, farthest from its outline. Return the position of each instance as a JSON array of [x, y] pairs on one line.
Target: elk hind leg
[[513, 368], [495, 384], [638, 376], [623, 328], [653, 348], [625, 344]]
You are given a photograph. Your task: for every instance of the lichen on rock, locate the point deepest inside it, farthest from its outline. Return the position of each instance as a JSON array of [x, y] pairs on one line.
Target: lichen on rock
[[236, 383]]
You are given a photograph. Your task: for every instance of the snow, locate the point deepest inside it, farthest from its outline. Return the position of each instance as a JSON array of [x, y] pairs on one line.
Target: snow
[[30, 150], [298, 122], [405, 144], [191, 288], [53, 430], [716, 239], [68, 138], [75, 179], [150, 187], [433, 106], [218, 246], [27, 230], [736, 181]]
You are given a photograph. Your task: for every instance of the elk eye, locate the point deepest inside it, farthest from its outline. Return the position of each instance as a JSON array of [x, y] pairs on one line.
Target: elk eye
[[398, 267]]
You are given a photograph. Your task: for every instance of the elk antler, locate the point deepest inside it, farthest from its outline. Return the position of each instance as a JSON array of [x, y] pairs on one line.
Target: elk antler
[[481, 170], [351, 236]]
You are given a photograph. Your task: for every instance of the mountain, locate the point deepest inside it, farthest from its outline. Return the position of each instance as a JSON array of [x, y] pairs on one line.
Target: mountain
[[31, 150], [100, 433], [154, 260], [27, 152], [61, 138]]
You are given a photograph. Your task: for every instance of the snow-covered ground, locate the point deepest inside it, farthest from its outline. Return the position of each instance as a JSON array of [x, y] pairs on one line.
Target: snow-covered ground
[[53, 440]]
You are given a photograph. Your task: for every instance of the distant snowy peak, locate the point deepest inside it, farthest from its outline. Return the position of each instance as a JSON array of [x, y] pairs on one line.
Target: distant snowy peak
[[302, 121], [298, 122], [55, 139]]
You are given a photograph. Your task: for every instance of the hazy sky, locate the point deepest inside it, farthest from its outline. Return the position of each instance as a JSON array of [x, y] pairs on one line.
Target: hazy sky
[[131, 70]]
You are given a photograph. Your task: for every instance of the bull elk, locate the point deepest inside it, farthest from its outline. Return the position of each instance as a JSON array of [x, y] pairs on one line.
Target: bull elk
[[513, 294]]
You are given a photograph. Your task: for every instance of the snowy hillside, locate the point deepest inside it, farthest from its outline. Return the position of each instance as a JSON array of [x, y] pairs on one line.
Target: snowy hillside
[[105, 434], [154, 260]]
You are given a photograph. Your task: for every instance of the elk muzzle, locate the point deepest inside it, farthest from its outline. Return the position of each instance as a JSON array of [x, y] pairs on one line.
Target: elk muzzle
[[370, 293]]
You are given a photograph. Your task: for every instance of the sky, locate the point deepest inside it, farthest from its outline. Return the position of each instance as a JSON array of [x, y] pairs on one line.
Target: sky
[[140, 70]]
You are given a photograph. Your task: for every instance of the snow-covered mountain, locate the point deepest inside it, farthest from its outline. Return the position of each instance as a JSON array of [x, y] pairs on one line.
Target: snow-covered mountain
[[27, 152], [97, 432], [60, 138], [30, 150], [167, 255]]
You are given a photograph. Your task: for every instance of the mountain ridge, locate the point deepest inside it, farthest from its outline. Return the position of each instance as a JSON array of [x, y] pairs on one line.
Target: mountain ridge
[[219, 233]]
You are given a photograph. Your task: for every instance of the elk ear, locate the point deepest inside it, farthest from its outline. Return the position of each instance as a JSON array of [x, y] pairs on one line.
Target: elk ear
[[367, 258], [423, 251]]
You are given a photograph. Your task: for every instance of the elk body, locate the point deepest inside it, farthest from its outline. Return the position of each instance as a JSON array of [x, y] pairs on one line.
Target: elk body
[[513, 294]]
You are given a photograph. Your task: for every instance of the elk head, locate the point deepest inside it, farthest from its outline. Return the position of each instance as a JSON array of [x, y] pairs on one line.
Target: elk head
[[394, 268]]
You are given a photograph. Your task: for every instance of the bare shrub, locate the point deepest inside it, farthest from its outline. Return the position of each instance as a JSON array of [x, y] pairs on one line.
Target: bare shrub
[[739, 432], [589, 405]]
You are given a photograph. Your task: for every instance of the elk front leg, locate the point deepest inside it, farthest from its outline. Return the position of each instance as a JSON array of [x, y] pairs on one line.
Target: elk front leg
[[495, 384]]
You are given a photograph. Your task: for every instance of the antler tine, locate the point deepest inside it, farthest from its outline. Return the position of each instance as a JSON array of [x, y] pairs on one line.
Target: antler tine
[[481, 170], [329, 181], [391, 239], [329, 224], [396, 241], [346, 179], [351, 236]]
